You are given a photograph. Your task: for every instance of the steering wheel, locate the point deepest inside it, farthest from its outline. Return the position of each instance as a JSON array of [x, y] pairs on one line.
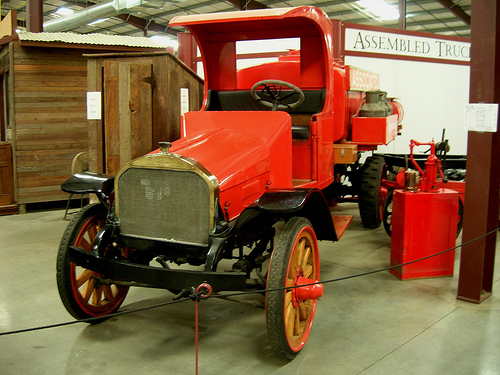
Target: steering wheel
[[271, 94]]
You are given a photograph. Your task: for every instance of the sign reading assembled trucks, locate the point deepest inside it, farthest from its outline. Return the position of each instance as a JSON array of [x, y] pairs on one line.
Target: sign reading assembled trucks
[[370, 41]]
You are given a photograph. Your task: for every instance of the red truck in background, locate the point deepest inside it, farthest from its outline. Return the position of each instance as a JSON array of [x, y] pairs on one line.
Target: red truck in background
[[249, 185]]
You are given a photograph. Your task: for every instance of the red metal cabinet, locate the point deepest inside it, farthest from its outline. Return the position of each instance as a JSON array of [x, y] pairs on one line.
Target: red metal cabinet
[[424, 223]]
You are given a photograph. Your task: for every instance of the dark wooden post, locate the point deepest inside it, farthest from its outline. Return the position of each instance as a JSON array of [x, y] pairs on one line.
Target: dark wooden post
[[483, 172], [402, 14], [34, 13]]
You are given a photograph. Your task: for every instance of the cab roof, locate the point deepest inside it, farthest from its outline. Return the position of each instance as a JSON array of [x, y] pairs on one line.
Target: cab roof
[[217, 34], [257, 24]]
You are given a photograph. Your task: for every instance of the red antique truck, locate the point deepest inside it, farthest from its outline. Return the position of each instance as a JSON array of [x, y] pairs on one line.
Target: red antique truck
[[248, 186]]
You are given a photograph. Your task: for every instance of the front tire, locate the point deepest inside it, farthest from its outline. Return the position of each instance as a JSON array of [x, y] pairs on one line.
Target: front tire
[[76, 284], [296, 254]]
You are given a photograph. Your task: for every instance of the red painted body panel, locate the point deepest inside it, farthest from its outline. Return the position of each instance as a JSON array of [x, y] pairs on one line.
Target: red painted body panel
[[288, 71], [302, 162], [340, 110], [248, 152]]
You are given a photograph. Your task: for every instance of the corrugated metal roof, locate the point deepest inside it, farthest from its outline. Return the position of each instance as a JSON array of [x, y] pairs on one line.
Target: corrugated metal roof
[[94, 39]]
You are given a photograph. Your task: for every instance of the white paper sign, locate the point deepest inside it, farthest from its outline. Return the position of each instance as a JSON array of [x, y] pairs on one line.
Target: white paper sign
[[184, 100], [94, 105], [481, 117]]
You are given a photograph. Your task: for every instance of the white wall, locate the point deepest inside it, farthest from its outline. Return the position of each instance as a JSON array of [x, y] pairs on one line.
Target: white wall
[[257, 46], [433, 96]]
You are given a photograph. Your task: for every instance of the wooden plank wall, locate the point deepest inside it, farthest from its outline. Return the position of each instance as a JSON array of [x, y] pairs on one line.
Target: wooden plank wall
[[49, 118], [6, 176], [141, 105], [169, 76], [128, 114], [95, 83], [4, 59]]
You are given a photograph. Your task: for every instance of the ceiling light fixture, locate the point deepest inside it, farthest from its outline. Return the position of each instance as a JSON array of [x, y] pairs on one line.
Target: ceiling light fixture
[[167, 42], [64, 11], [97, 21], [380, 9]]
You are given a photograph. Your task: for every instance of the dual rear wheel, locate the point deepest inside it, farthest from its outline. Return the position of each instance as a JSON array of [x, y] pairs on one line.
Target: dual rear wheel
[[373, 193]]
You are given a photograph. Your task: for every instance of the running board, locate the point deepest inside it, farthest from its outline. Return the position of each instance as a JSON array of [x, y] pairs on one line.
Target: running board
[[341, 222]]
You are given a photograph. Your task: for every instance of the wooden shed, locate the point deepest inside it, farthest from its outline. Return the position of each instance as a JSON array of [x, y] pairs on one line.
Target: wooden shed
[[143, 96], [43, 80]]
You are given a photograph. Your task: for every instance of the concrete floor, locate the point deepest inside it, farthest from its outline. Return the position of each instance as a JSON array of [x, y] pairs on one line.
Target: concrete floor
[[374, 324]]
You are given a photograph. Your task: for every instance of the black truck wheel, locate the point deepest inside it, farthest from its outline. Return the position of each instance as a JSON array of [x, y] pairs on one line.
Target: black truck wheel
[[372, 193], [387, 212], [460, 215], [76, 284], [289, 319]]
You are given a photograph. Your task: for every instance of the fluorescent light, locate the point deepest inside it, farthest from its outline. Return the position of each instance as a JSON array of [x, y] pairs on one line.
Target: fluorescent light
[[64, 11], [167, 42], [97, 21], [380, 9]]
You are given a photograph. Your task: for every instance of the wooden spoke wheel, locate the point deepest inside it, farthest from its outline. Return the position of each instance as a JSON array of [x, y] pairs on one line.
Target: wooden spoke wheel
[[290, 313], [76, 284]]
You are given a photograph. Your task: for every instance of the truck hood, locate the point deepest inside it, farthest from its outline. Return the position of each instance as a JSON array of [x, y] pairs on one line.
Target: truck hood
[[239, 146]]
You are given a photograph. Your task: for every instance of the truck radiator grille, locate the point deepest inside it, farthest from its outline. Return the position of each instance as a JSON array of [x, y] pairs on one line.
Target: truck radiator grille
[[165, 205]]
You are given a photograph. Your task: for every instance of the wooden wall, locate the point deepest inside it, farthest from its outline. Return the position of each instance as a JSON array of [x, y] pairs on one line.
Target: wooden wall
[[48, 106], [7, 200], [141, 105], [49, 119]]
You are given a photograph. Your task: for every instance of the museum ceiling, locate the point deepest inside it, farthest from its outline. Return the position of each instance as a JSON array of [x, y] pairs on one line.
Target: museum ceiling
[[149, 18]]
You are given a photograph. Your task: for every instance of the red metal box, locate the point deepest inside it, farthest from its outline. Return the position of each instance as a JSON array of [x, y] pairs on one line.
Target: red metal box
[[424, 223], [374, 130]]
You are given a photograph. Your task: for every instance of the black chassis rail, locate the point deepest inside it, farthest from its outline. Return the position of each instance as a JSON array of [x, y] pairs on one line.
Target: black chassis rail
[[398, 160], [155, 276]]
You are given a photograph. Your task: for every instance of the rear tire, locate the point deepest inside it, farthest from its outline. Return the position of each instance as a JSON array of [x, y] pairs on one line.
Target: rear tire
[[372, 193], [387, 214], [460, 215]]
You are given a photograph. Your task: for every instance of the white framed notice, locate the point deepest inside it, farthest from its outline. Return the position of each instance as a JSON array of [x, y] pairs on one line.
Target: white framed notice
[[184, 100], [481, 117], [94, 105]]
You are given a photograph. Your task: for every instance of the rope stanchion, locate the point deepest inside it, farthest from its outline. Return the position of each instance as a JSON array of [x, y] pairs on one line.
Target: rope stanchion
[[204, 291], [93, 319], [196, 333]]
